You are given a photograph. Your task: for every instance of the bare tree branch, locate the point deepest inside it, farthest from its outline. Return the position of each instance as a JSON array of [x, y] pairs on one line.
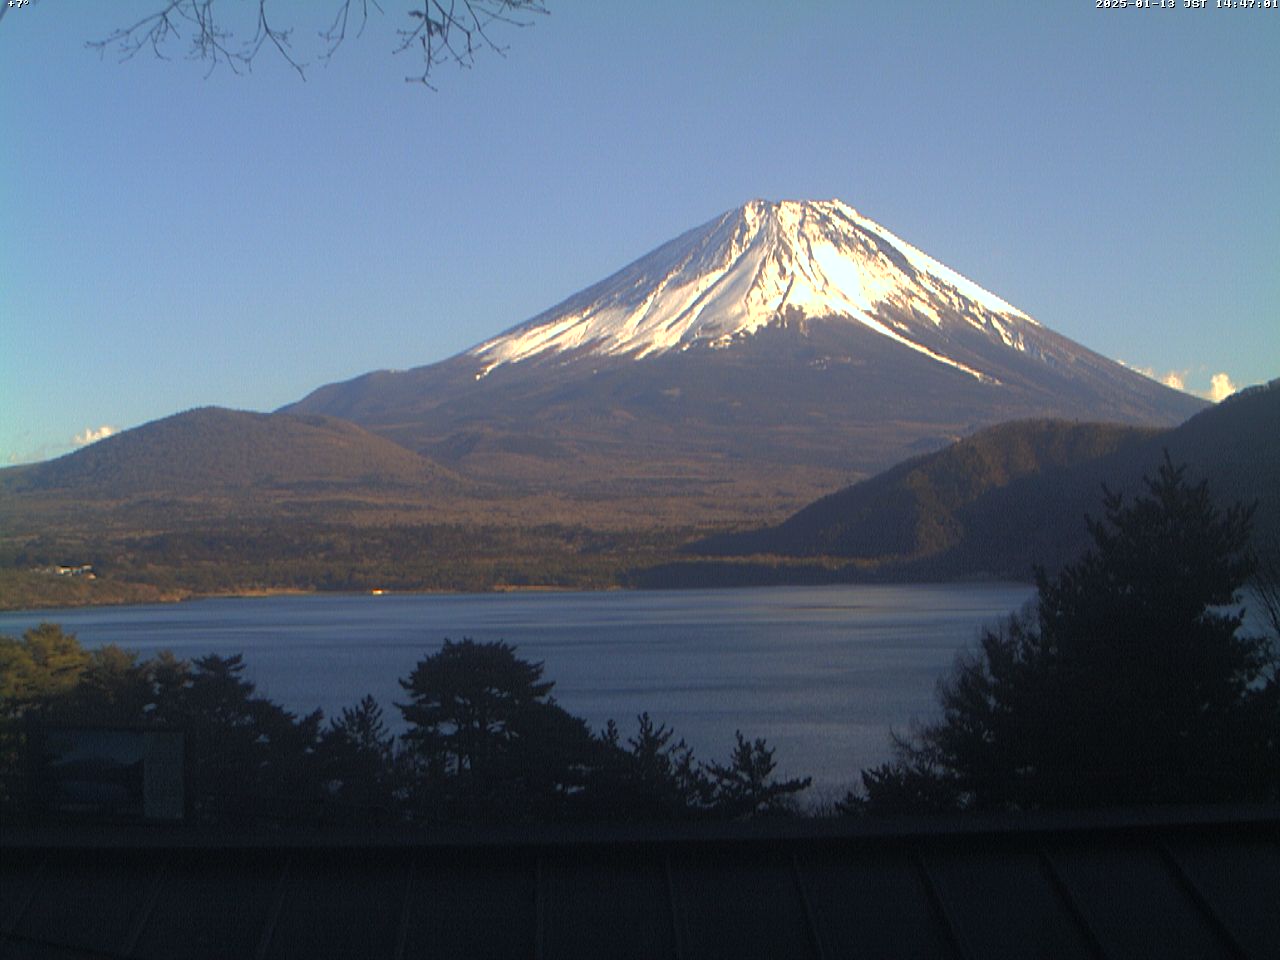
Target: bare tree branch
[[208, 41], [456, 32], [443, 30], [337, 31], [279, 39]]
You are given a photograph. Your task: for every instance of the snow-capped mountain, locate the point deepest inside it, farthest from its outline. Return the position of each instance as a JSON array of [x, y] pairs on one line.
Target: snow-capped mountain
[[775, 353], [763, 264]]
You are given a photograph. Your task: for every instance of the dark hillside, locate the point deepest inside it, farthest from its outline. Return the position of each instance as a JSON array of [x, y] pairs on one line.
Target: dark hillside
[[1234, 446], [1237, 446], [214, 449], [915, 509], [1017, 495]]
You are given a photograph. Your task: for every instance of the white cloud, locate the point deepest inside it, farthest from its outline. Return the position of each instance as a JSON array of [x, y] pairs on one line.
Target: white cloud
[[90, 435], [22, 451], [1220, 387], [1177, 379]]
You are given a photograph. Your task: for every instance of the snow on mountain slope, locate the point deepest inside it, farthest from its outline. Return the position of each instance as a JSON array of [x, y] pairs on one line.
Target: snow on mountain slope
[[758, 361], [768, 263]]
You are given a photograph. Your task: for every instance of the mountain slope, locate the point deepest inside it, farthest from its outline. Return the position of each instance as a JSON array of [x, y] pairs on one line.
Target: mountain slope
[[742, 369], [758, 265], [213, 465], [1016, 495], [211, 449], [1232, 446], [916, 509]]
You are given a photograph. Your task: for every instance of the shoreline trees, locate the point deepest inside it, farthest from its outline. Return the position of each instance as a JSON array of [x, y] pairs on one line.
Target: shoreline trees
[[485, 743]]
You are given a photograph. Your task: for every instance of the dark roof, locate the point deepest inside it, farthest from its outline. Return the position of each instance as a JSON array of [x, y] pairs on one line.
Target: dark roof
[[1162, 883]]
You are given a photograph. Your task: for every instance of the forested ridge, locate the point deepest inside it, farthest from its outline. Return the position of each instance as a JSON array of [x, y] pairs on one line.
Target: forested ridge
[[315, 504], [916, 509], [1001, 502]]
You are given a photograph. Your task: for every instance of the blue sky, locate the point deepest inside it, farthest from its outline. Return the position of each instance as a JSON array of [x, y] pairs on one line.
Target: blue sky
[[173, 239]]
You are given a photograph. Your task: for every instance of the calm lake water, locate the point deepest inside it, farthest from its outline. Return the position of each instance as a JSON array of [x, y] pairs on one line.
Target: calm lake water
[[823, 673]]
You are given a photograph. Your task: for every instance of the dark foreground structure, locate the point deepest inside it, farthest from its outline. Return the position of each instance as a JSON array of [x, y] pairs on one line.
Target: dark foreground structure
[[1151, 883]]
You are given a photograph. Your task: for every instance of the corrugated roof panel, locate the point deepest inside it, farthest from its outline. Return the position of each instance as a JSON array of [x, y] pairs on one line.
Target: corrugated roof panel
[[1240, 878], [19, 874], [1004, 904], [872, 904], [1133, 903], [28, 950], [342, 905], [612, 905], [1164, 884], [470, 904], [739, 904], [90, 899], [210, 903]]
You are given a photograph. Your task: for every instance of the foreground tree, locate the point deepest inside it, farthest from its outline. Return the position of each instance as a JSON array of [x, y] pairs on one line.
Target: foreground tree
[[746, 785], [1129, 681], [1265, 588], [650, 777], [486, 738], [358, 761], [43, 665], [465, 702], [486, 741], [234, 35], [247, 757], [46, 663]]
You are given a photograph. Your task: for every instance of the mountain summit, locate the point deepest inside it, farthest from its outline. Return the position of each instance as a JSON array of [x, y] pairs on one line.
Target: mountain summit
[[768, 263], [766, 357]]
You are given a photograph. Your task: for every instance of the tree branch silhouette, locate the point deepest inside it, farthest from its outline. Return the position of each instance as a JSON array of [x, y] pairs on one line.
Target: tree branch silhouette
[[444, 32]]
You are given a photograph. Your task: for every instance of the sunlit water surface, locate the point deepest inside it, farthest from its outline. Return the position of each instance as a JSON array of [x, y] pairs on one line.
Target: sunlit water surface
[[824, 673]]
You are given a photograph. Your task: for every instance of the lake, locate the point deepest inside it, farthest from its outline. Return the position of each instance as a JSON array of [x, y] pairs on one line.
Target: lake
[[823, 673]]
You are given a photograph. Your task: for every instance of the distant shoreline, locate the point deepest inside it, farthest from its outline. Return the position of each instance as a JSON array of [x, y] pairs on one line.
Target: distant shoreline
[[147, 597]]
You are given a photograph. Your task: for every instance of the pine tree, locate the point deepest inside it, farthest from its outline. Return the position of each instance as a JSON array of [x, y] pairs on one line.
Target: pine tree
[[463, 701], [487, 740], [1128, 682], [746, 785]]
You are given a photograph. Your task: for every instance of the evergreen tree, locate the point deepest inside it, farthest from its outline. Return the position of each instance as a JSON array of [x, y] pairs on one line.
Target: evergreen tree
[[247, 757], [1128, 682], [652, 778], [34, 671], [544, 772], [487, 740], [357, 759], [746, 786], [115, 688], [463, 701], [46, 663]]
